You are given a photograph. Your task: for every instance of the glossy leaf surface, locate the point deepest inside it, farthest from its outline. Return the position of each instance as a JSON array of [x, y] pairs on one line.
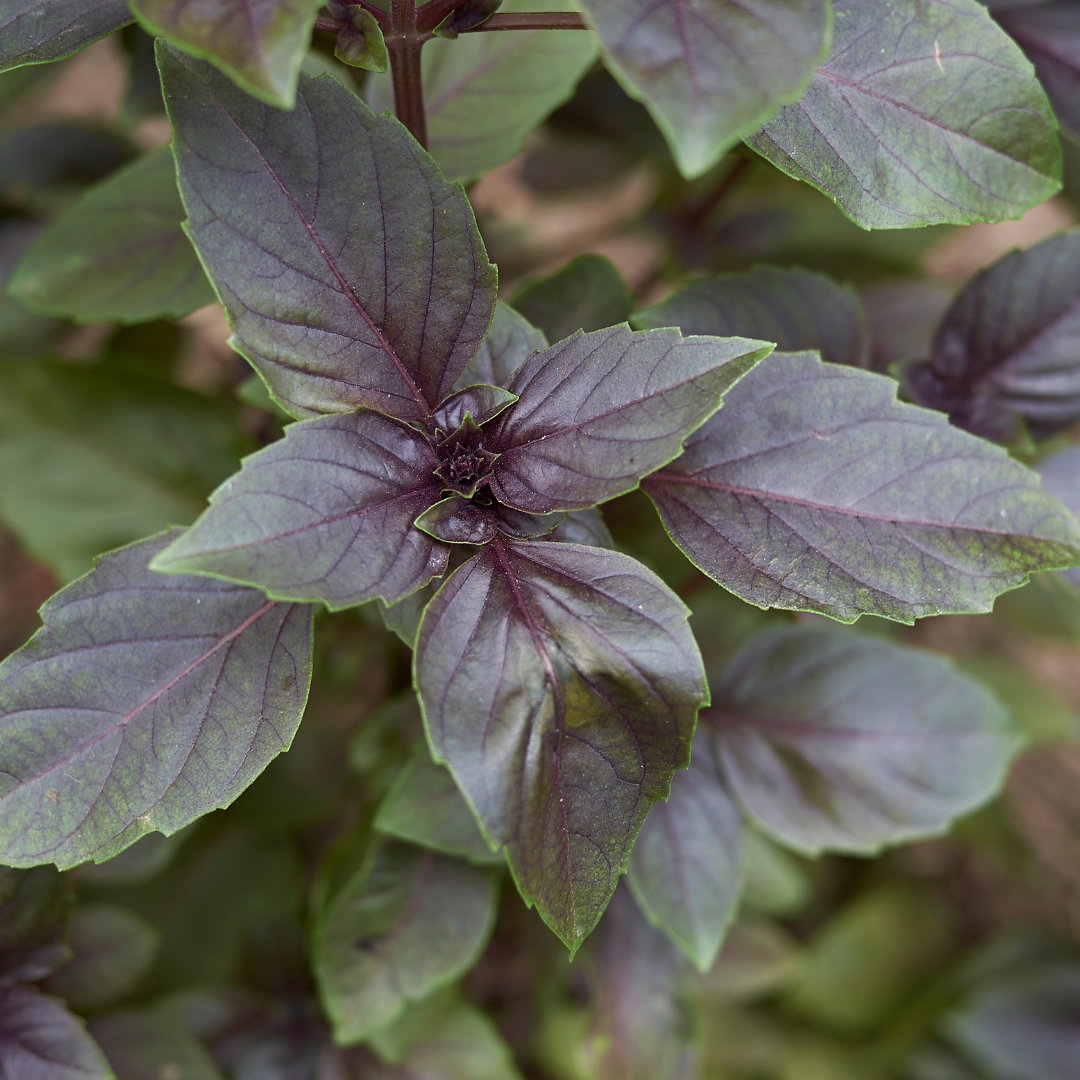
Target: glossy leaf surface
[[560, 684], [118, 253], [92, 758], [588, 293], [35, 32], [35, 908], [834, 740], [713, 71], [925, 112], [39, 1038], [599, 411], [793, 308], [510, 342], [686, 868], [142, 1046], [258, 43], [814, 489], [324, 514], [340, 300], [406, 924], [1008, 350]]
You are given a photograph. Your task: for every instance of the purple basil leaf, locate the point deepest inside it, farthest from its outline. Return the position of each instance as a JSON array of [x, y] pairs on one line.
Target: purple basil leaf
[[1050, 37], [814, 489], [41, 1040], [510, 342], [35, 908], [794, 308], [403, 618], [324, 514], [560, 684], [925, 113], [1008, 350], [834, 740], [481, 402], [1061, 477], [143, 703], [457, 520], [583, 527], [685, 872], [352, 272], [37, 31], [599, 411]]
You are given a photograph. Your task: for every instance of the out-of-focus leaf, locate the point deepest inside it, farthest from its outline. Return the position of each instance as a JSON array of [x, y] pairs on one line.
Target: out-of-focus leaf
[[136, 864], [1061, 477], [1025, 1027], [118, 253], [324, 514], [834, 740], [599, 411], [92, 757], [560, 684], [143, 98], [40, 1039], [814, 489], [903, 317], [425, 807], [685, 870], [331, 296], [407, 923], [112, 948], [96, 456], [1008, 350], [484, 93], [758, 958], [37, 31], [22, 333], [793, 308], [925, 112], [511, 340], [588, 293], [774, 882], [143, 1046], [35, 907], [259, 44], [713, 71]]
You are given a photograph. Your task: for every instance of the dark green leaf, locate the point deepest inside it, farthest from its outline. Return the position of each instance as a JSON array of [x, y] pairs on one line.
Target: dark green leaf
[[685, 871], [118, 253], [560, 684], [834, 740], [599, 411], [925, 112], [143, 98], [96, 456], [793, 308], [324, 514], [510, 342], [22, 333], [143, 1046], [257, 43], [144, 702], [814, 489], [37, 31], [40, 1039], [330, 289], [407, 923], [588, 293], [35, 906], [112, 950], [425, 807], [710, 72], [1008, 350], [360, 41]]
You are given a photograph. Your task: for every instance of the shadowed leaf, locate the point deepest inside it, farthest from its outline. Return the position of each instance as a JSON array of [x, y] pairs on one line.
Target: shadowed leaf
[[510, 342], [1061, 477], [35, 908], [195, 687], [143, 1046], [39, 1038], [37, 31]]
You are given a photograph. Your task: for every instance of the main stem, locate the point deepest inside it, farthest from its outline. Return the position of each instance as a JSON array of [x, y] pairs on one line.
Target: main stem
[[403, 44]]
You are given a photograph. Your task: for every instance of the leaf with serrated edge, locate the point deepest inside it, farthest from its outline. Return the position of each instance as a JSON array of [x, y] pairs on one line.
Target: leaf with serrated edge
[[194, 687], [838, 741], [710, 71], [510, 342], [791, 307], [1008, 349], [39, 1038], [599, 411], [408, 922], [814, 489], [560, 684], [686, 867], [259, 44], [118, 253], [925, 113], [324, 514], [340, 297], [37, 32]]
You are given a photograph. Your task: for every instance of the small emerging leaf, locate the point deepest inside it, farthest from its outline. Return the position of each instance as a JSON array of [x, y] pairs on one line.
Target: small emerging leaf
[[360, 41], [38, 31], [39, 1038]]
